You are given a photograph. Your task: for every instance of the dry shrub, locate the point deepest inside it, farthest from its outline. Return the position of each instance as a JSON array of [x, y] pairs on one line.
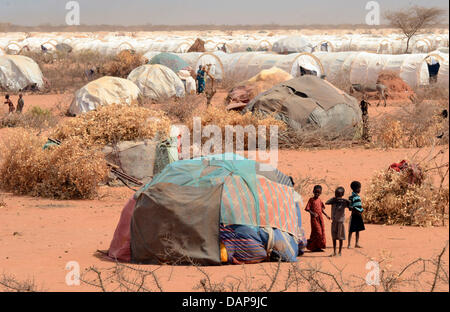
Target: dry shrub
[[392, 199], [69, 171], [114, 123], [220, 117], [313, 137], [67, 71], [36, 118], [181, 109], [416, 127], [122, 64]]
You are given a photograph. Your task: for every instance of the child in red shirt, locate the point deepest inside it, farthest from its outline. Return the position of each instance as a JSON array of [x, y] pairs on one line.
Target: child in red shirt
[[316, 208]]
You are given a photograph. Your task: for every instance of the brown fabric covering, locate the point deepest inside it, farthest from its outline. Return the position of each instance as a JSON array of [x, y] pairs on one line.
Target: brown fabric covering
[[176, 225], [309, 100], [198, 46]]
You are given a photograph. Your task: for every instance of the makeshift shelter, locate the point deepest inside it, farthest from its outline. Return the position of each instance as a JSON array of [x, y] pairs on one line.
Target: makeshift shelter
[[211, 210], [249, 89], [197, 46], [309, 101], [19, 72], [170, 60], [63, 47], [292, 44], [104, 91], [157, 82]]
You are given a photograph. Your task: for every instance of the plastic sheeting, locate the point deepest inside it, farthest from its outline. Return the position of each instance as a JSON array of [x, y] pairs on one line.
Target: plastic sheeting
[[157, 82], [19, 72], [363, 68], [293, 44], [104, 91]]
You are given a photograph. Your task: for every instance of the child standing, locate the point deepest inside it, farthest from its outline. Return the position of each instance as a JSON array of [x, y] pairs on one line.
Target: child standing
[[338, 205], [9, 103], [315, 207], [356, 221]]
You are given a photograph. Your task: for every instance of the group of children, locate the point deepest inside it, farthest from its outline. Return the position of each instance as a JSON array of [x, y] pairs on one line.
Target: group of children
[[316, 208], [10, 104]]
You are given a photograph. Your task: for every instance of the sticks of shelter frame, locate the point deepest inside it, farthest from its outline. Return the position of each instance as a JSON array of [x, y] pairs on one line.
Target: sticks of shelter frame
[[122, 176]]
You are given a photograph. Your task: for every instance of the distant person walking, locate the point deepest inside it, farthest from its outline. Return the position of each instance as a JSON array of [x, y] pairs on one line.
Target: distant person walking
[[20, 104], [9, 103], [364, 105], [201, 83]]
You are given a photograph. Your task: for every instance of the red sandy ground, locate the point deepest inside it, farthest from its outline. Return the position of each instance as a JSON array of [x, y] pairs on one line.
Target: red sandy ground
[[39, 236]]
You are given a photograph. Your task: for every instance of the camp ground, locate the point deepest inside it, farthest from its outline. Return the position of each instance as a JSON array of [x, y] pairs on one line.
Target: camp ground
[[211, 159]]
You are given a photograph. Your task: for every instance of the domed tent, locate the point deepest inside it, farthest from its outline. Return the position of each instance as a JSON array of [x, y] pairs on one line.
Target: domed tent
[[309, 101], [292, 44], [157, 82], [211, 210], [19, 72], [104, 91], [174, 62]]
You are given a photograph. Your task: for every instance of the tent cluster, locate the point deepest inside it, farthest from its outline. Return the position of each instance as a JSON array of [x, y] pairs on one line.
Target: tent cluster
[[165, 76], [113, 43], [221, 209]]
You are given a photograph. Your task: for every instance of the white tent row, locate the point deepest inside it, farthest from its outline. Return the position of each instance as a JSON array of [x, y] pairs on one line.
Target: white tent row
[[355, 67], [112, 43], [364, 68]]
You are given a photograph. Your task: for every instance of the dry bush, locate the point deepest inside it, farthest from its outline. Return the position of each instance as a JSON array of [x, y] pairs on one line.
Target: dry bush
[[181, 109], [418, 275], [418, 126], [9, 283], [36, 118], [113, 123], [319, 138], [67, 71], [435, 92], [122, 65], [218, 116], [393, 199], [68, 171]]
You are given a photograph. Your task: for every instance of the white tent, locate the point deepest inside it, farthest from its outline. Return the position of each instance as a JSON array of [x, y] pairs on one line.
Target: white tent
[[363, 67], [244, 65], [292, 44], [157, 82], [440, 56], [104, 91], [19, 72]]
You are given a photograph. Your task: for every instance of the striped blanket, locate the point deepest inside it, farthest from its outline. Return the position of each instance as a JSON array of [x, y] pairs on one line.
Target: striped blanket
[[276, 207]]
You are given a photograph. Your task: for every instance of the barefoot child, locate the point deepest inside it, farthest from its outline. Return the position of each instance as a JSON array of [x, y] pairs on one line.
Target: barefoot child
[[338, 205], [356, 222], [315, 207]]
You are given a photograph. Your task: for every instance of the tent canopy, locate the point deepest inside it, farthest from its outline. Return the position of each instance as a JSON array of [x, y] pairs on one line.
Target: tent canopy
[[157, 82], [177, 217], [104, 91], [19, 72], [309, 101], [172, 61]]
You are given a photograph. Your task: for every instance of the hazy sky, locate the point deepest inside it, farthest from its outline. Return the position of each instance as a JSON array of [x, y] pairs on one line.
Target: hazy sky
[[182, 12]]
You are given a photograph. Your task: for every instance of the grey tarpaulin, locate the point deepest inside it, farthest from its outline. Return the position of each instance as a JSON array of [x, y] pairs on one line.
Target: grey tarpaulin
[[177, 225], [309, 101], [136, 159]]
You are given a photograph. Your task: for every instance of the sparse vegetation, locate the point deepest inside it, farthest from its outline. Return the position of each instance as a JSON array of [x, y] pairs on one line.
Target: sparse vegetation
[[114, 123], [68, 171]]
